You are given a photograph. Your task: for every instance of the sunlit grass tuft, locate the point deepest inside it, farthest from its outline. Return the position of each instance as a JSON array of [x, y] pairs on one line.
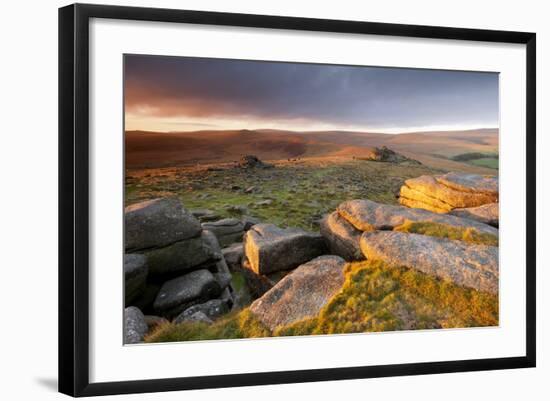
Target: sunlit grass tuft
[[468, 234], [377, 297], [235, 325], [374, 298]]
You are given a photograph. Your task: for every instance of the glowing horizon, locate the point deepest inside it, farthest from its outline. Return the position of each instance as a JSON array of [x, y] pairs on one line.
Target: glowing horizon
[[178, 94]]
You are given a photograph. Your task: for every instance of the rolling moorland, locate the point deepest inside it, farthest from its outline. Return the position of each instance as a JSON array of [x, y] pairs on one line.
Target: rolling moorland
[[296, 180]]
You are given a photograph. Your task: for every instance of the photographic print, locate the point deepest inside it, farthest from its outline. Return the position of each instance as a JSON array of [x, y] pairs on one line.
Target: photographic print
[[269, 198]]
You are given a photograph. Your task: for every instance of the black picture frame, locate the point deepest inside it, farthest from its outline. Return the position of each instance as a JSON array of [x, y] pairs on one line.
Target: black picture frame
[[74, 198]]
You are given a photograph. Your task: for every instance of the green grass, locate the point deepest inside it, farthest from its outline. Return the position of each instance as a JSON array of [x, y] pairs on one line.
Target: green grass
[[444, 231], [301, 193], [486, 162], [489, 160], [375, 297], [241, 324]]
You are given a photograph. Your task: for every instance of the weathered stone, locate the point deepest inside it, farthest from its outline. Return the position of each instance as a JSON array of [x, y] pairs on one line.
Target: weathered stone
[[135, 274], [446, 192], [228, 296], [366, 215], [197, 317], [158, 222], [249, 222], [198, 213], [251, 161], [485, 184], [270, 248], [265, 202], [190, 289], [257, 284], [135, 327], [183, 255], [416, 199], [237, 209], [226, 231], [205, 214], [302, 293], [212, 309], [385, 154], [468, 265], [488, 214], [341, 237], [233, 255], [221, 273]]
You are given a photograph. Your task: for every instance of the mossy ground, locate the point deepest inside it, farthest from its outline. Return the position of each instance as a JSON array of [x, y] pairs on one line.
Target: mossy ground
[[375, 297], [300, 192], [444, 231]]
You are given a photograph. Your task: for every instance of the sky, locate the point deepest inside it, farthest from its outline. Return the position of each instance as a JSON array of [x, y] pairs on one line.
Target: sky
[[189, 94]]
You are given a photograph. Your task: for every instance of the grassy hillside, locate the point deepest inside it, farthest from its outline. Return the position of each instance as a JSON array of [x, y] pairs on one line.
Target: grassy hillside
[[435, 149]]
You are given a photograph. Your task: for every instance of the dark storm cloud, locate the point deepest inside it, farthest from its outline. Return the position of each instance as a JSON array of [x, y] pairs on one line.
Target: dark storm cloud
[[375, 97]]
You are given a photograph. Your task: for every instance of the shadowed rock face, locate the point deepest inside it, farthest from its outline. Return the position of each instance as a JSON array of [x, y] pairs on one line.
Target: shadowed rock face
[[135, 327], [269, 248], [366, 215], [233, 255], [158, 222], [342, 238], [180, 293], [302, 293], [488, 214], [468, 265], [227, 231], [443, 193], [183, 255], [213, 309], [135, 274]]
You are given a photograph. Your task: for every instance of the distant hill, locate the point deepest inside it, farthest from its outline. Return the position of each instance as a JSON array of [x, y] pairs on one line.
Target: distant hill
[[159, 149]]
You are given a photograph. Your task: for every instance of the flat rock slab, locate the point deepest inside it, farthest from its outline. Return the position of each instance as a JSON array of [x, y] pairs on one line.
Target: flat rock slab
[[366, 215], [183, 255], [158, 222], [449, 191], [269, 248], [488, 214], [302, 293], [190, 289], [341, 237], [227, 231], [475, 183], [135, 326], [468, 265]]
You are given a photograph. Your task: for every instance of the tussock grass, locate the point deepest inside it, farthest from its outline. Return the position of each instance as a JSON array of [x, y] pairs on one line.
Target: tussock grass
[[444, 231], [375, 297], [239, 324]]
